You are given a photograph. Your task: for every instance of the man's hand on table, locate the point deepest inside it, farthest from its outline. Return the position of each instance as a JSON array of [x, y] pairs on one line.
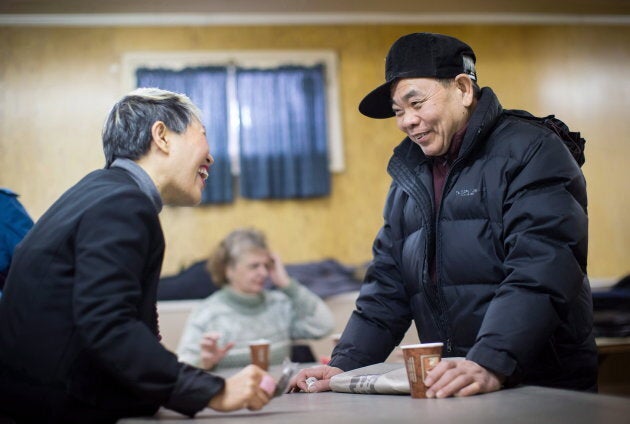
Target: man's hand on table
[[250, 388], [460, 378], [448, 378], [319, 379]]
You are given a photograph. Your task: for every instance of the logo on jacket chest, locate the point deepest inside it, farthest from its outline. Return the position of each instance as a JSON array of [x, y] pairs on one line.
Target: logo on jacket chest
[[466, 192]]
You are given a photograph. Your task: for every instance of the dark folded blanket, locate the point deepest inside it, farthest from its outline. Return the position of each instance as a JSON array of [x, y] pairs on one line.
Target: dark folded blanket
[[324, 278], [611, 310]]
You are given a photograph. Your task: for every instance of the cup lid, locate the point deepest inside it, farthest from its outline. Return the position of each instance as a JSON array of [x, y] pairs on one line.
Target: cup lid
[[410, 346]]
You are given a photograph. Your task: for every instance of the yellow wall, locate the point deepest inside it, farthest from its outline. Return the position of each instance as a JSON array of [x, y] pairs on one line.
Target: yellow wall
[[57, 85]]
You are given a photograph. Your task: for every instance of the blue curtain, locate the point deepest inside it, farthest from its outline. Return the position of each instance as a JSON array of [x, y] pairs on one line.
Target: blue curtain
[[207, 88], [283, 132]]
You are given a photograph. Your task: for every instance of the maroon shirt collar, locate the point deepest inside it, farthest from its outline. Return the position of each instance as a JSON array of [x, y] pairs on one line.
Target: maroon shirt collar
[[442, 165], [456, 145]]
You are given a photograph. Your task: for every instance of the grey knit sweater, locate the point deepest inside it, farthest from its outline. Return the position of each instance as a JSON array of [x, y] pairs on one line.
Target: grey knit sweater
[[279, 316]]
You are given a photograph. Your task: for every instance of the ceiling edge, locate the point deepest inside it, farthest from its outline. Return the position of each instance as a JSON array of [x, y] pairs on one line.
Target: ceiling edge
[[219, 19]]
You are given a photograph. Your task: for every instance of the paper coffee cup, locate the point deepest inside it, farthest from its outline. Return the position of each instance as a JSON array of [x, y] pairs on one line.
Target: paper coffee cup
[[419, 360], [259, 351]]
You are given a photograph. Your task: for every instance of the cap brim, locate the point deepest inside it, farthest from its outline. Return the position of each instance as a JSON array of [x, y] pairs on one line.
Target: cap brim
[[378, 103]]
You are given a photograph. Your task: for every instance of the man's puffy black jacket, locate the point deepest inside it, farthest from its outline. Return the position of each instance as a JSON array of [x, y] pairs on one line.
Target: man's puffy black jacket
[[509, 245]]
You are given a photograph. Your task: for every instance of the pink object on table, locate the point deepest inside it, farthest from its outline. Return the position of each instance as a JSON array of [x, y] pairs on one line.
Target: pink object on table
[[268, 384]]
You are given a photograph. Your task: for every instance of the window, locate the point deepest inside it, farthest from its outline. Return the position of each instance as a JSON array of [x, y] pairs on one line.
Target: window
[[272, 117]]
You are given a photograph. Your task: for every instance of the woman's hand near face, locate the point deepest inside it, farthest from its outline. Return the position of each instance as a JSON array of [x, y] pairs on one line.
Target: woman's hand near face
[[277, 272]]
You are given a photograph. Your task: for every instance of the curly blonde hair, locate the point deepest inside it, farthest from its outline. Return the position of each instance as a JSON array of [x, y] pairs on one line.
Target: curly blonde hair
[[230, 249]]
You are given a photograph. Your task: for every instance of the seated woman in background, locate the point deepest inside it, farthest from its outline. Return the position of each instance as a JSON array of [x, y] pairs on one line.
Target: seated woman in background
[[218, 331]]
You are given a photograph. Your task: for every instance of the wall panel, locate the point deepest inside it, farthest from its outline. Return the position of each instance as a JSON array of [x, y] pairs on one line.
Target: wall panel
[[57, 85]]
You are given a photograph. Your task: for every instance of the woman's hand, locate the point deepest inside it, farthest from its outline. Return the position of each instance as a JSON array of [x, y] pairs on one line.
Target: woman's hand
[[211, 354], [243, 390], [277, 272]]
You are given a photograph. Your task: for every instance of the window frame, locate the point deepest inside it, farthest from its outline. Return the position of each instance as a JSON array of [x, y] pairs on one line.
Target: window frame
[[177, 60]]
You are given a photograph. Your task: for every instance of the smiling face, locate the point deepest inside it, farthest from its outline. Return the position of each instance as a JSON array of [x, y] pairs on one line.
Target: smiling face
[[431, 112], [190, 162], [248, 274]]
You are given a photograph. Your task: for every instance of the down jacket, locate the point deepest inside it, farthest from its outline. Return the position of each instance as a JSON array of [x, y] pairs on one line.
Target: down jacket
[[509, 243]]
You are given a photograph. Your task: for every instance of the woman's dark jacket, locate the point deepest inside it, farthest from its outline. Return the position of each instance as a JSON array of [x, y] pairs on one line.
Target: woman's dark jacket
[[78, 323], [509, 244]]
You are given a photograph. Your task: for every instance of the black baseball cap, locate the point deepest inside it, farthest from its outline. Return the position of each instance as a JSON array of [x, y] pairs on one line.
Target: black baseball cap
[[419, 55]]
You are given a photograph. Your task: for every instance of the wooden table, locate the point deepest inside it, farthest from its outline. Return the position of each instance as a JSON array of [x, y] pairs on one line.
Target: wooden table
[[614, 365], [526, 405], [612, 345]]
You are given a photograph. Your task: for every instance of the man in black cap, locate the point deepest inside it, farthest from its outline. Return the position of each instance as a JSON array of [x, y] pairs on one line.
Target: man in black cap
[[484, 243]]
